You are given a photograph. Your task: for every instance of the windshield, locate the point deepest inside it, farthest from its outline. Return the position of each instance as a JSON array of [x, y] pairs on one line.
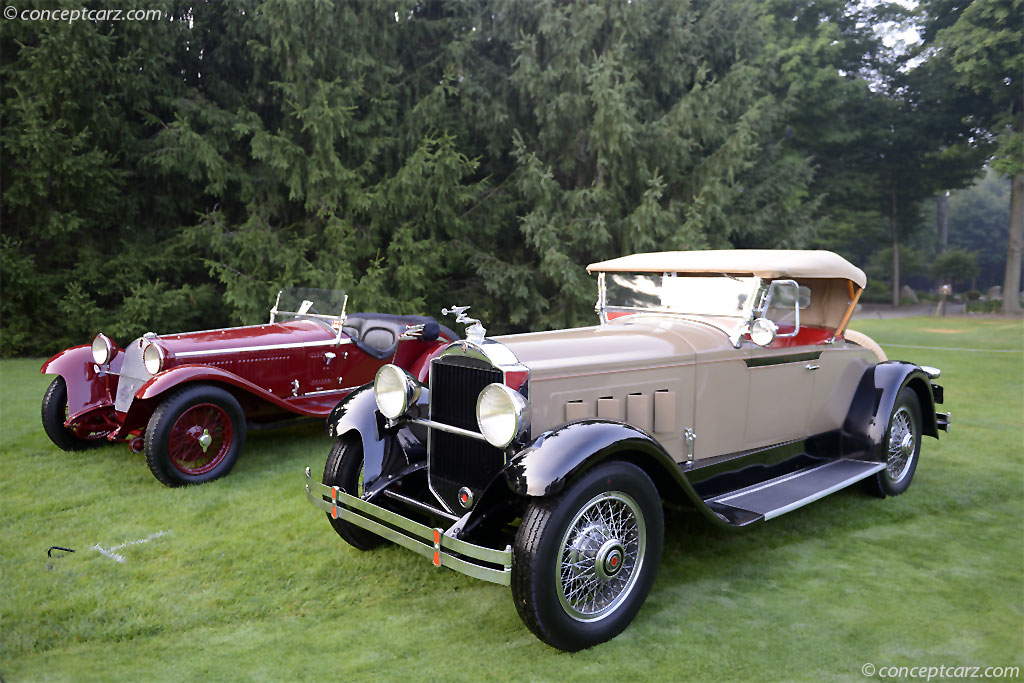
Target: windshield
[[717, 295], [324, 305]]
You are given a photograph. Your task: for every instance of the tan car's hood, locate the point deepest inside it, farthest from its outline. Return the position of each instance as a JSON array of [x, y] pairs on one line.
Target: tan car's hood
[[626, 343]]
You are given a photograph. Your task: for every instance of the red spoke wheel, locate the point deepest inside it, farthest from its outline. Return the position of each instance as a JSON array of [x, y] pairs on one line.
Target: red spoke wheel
[[194, 435], [200, 439], [89, 431]]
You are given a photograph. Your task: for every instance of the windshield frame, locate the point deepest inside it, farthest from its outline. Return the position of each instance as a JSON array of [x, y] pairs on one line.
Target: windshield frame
[[333, 322]]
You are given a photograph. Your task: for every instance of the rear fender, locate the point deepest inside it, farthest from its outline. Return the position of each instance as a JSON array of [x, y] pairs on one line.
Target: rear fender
[[863, 433], [90, 386]]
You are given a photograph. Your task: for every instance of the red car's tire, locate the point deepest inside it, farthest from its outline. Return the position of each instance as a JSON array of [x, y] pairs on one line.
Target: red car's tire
[[55, 413], [195, 435]]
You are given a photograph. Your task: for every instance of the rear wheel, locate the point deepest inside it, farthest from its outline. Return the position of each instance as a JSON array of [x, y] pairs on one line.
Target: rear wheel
[[194, 436], [903, 446], [344, 469], [584, 561], [89, 431]]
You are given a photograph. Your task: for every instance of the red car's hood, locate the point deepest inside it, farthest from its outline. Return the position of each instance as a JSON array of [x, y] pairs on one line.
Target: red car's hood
[[285, 334]]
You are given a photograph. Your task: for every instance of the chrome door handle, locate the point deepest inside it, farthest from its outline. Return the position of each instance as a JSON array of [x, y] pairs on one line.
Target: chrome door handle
[[812, 367]]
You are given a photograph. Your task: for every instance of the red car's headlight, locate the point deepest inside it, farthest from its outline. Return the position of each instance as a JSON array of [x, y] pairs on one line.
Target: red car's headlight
[[102, 349], [153, 358]]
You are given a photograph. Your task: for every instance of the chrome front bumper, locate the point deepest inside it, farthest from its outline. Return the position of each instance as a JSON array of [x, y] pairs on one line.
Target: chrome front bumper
[[431, 543]]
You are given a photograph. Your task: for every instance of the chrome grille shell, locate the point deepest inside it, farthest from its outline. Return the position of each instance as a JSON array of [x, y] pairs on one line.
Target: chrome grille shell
[[133, 375]]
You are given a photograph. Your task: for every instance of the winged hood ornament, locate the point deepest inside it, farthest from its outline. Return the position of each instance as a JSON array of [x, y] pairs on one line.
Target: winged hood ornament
[[475, 331]]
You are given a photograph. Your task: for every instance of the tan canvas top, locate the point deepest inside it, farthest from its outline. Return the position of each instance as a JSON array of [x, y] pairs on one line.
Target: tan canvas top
[[766, 263]]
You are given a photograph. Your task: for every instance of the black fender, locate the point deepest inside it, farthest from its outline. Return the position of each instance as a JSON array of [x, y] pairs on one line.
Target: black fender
[[552, 460], [358, 413], [863, 433]]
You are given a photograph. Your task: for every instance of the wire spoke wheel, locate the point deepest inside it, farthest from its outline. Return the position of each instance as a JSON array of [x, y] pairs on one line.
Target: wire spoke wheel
[[200, 438], [902, 443], [602, 553]]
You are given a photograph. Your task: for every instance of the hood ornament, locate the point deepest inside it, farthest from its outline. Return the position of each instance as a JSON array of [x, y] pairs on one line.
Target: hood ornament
[[475, 331]]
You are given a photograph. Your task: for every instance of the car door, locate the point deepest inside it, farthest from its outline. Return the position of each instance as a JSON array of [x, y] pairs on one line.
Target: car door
[[781, 390]]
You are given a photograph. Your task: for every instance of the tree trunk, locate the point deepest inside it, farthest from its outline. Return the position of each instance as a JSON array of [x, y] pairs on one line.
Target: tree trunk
[[1011, 282], [895, 253], [941, 204]]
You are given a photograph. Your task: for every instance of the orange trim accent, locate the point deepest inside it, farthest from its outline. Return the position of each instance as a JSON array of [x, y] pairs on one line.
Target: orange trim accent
[[334, 494], [437, 559], [849, 311], [334, 511], [437, 536]]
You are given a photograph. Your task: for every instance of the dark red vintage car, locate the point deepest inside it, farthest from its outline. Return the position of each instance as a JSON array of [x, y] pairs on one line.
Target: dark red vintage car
[[188, 399]]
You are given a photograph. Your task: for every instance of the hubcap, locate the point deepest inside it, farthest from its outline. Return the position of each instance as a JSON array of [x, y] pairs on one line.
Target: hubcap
[[902, 444], [200, 439], [601, 557]]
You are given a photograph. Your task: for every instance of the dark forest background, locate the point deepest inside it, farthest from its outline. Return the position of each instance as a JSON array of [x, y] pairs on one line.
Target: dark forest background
[[173, 174]]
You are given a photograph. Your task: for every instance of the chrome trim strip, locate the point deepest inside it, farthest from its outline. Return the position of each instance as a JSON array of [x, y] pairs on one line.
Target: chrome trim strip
[[448, 428], [366, 516], [326, 391], [270, 347]]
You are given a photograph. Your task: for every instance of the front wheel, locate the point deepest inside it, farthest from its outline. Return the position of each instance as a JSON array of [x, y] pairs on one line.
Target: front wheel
[[344, 469], [194, 436], [903, 447], [584, 561], [89, 431]]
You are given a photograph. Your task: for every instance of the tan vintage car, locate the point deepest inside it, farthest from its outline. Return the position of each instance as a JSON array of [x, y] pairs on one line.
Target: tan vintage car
[[725, 380]]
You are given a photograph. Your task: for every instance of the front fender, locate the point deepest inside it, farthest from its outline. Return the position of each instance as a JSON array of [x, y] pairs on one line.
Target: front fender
[[864, 430], [358, 413], [555, 458], [89, 386]]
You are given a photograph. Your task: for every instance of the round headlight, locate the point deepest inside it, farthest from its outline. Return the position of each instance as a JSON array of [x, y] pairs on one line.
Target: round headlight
[[394, 390], [501, 414], [763, 331], [102, 349], [153, 358]]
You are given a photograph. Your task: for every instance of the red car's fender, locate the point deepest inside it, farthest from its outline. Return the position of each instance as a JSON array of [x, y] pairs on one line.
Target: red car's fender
[[167, 380], [421, 368], [87, 388]]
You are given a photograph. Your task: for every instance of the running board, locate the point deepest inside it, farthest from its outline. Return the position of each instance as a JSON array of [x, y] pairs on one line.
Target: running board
[[791, 491]]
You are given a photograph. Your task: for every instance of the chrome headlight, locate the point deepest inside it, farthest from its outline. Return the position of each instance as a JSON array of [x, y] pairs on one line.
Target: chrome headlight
[[395, 390], [502, 414], [153, 358], [102, 349]]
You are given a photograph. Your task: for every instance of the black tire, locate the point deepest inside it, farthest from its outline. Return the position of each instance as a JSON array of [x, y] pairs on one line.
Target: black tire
[[55, 413], [559, 550], [902, 447], [175, 435], [344, 469]]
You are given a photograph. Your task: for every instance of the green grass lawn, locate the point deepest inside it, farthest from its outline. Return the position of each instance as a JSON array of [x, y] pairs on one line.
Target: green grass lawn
[[249, 581]]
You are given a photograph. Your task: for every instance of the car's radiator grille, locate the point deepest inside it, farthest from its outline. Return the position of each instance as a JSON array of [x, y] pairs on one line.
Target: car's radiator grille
[[458, 459], [133, 376]]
